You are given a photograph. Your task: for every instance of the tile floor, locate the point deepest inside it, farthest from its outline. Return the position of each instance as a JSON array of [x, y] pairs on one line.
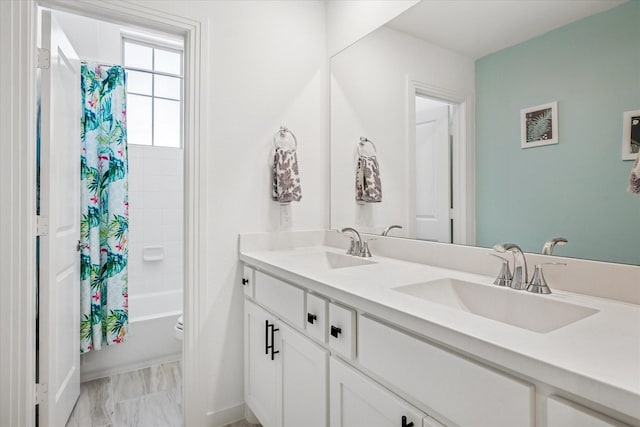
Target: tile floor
[[146, 397], [143, 398]]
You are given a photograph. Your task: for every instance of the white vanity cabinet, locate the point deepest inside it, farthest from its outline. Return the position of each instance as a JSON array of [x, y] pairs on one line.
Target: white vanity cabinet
[[356, 400], [260, 380], [466, 392], [311, 360], [562, 413], [285, 372]]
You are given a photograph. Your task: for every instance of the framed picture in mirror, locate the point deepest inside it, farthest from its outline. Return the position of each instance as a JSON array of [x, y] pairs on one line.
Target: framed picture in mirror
[[631, 135], [539, 125]]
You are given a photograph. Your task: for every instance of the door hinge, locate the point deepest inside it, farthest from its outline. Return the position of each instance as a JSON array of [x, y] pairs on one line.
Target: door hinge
[[452, 213], [42, 390], [42, 225], [44, 58]]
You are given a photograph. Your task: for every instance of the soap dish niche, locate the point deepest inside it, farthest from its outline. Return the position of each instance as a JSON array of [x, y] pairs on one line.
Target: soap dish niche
[[153, 253]]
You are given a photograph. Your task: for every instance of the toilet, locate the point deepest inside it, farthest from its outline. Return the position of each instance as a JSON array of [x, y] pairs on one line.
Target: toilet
[[178, 330]]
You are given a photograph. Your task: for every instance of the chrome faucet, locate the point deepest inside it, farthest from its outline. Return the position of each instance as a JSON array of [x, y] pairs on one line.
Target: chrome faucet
[[356, 245], [389, 228], [520, 278], [551, 243]]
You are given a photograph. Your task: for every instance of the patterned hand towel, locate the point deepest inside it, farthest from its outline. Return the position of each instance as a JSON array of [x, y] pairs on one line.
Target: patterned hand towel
[[368, 185], [634, 181], [286, 178]]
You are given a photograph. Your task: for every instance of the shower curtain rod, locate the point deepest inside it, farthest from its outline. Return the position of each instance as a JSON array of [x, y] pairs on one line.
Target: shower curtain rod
[[101, 63]]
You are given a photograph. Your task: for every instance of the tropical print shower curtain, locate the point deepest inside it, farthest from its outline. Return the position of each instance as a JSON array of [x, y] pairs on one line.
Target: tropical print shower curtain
[[105, 211]]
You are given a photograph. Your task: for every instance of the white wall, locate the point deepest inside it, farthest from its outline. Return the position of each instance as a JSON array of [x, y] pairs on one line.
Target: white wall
[[348, 21], [266, 68], [369, 81]]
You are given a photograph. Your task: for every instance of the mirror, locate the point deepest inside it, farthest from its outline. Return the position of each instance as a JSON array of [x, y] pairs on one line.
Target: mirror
[[463, 101]]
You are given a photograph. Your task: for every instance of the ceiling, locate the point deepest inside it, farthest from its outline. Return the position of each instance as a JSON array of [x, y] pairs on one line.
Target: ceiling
[[476, 28]]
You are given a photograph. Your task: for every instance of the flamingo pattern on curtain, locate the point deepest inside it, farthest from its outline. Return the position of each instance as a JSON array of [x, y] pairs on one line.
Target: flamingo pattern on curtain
[[104, 225]]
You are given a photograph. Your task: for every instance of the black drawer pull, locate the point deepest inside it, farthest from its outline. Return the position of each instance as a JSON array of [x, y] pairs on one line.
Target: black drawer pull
[[245, 281], [311, 318], [404, 422], [335, 331]]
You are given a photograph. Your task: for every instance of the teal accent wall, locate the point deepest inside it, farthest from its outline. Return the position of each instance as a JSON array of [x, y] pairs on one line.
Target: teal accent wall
[[576, 189]]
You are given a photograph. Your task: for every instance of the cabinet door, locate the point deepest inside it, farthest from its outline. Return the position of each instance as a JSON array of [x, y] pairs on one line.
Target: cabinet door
[[260, 373], [562, 413], [303, 375], [358, 401]]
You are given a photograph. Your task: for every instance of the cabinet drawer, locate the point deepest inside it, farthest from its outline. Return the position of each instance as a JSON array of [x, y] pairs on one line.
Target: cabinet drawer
[[342, 330], [316, 317], [463, 391], [286, 300], [358, 401], [248, 280], [562, 413]]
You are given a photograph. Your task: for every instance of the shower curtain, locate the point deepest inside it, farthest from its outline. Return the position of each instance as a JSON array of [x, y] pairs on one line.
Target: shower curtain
[[105, 208]]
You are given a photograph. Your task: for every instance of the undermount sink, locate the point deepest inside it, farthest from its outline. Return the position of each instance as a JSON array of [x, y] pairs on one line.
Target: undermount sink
[[516, 308], [332, 261]]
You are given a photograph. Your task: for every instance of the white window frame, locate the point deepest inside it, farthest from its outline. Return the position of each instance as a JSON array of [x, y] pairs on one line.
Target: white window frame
[[155, 43]]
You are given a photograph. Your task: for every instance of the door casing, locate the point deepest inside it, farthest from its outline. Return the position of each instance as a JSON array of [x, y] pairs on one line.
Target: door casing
[[21, 386]]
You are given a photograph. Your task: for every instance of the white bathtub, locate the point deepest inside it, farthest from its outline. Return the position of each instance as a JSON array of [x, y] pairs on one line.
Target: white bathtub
[[151, 340]]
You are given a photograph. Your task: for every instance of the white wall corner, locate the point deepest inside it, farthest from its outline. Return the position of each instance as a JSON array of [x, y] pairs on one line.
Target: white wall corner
[[348, 20]]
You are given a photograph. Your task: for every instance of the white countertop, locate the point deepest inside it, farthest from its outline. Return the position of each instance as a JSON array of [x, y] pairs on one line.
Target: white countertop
[[597, 358]]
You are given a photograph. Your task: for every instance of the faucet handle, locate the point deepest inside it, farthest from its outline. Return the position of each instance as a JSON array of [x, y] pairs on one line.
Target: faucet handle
[[504, 276], [365, 252], [538, 283]]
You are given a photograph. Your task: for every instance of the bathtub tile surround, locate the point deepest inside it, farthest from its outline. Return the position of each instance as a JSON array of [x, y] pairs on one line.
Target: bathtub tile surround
[[156, 216], [145, 397]]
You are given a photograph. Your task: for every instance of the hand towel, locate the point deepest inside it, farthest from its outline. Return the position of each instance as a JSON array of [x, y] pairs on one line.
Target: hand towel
[[286, 177], [634, 181], [368, 185]]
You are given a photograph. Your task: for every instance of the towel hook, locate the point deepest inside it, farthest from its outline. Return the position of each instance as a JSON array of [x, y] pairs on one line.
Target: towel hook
[[363, 141], [282, 133]]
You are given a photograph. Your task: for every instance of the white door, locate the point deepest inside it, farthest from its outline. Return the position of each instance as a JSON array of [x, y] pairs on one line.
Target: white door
[[358, 401], [433, 173], [59, 299], [261, 371], [303, 370]]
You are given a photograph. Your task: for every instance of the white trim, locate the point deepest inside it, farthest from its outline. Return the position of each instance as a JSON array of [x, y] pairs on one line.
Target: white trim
[[17, 213], [464, 169], [17, 223], [226, 416], [108, 372], [626, 135]]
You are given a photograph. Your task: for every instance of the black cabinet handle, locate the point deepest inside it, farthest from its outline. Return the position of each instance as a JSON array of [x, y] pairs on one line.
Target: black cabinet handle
[[266, 339], [273, 331], [245, 281], [404, 422], [335, 331], [311, 318]]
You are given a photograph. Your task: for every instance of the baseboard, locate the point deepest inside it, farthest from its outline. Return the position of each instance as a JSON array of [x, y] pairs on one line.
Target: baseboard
[[103, 373], [226, 416]]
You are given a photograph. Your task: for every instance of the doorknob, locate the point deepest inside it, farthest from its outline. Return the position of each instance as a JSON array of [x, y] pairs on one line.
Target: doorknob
[[80, 246]]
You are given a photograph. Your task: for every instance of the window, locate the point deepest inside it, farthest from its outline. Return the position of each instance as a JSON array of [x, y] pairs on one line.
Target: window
[[154, 93]]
